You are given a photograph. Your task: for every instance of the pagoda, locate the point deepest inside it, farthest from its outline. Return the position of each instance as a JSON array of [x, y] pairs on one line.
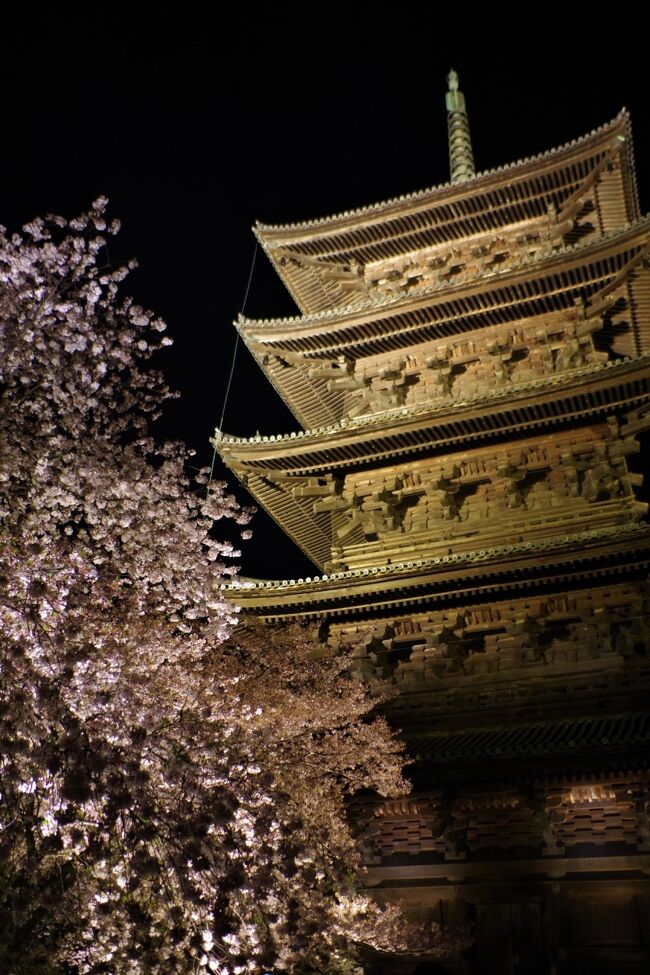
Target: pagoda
[[471, 368]]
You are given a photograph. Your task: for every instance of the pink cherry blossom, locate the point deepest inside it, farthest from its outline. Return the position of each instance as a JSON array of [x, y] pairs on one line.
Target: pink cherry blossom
[[173, 786]]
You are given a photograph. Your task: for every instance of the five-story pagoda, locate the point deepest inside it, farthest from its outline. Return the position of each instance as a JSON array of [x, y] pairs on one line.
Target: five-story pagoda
[[471, 366]]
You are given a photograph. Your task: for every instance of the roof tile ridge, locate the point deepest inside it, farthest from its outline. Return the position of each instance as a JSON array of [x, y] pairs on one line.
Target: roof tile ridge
[[369, 208], [629, 142], [247, 583], [361, 421], [384, 302]]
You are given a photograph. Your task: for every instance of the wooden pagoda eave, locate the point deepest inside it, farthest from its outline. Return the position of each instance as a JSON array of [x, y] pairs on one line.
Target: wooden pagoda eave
[[327, 332], [543, 290], [574, 396], [555, 562], [475, 745], [579, 150], [270, 470], [486, 203]]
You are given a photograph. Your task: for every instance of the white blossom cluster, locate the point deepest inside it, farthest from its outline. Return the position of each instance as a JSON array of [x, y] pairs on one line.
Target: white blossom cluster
[[172, 793]]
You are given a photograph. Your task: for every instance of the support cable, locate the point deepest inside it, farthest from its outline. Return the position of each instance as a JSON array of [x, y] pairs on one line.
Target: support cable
[[232, 367]]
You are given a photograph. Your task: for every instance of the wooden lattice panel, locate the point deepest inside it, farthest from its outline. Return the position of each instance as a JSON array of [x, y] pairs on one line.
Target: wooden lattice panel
[[501, 830], [597, 824], [390, 837], [486, 824]]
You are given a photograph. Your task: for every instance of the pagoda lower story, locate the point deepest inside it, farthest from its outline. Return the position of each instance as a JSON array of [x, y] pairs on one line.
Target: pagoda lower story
[[523, 697], [471, 365]]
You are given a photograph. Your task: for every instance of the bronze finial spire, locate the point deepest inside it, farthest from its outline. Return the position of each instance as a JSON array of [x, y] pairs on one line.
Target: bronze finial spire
[[461, 158]]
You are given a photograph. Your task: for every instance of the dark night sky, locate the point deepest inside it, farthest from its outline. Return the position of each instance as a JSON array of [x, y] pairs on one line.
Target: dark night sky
[[195, 129]]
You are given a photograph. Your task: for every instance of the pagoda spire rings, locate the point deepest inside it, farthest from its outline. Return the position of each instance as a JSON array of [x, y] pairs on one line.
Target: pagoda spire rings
[[461, 157]]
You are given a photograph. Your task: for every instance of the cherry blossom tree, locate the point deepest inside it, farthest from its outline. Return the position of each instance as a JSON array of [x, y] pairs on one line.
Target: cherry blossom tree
[[172, 790]]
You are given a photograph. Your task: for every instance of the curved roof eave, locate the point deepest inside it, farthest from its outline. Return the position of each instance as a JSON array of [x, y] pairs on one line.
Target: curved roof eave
[[334, 316], [349, 585], [266, 232], [258, 449]]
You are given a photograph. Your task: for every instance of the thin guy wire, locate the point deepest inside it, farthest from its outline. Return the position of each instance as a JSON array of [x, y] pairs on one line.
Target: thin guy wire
[[232, 364]]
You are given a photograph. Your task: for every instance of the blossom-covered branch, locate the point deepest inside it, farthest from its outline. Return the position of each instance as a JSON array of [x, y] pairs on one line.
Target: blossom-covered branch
[[172, 793]]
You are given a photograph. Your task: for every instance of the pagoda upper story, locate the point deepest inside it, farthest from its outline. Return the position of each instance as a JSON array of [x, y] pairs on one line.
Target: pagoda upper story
[[465, 228], [524, 272], [447, 322]]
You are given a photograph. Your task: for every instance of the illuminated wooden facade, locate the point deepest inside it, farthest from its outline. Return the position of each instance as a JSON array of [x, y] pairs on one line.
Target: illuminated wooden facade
[[471, 365]]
